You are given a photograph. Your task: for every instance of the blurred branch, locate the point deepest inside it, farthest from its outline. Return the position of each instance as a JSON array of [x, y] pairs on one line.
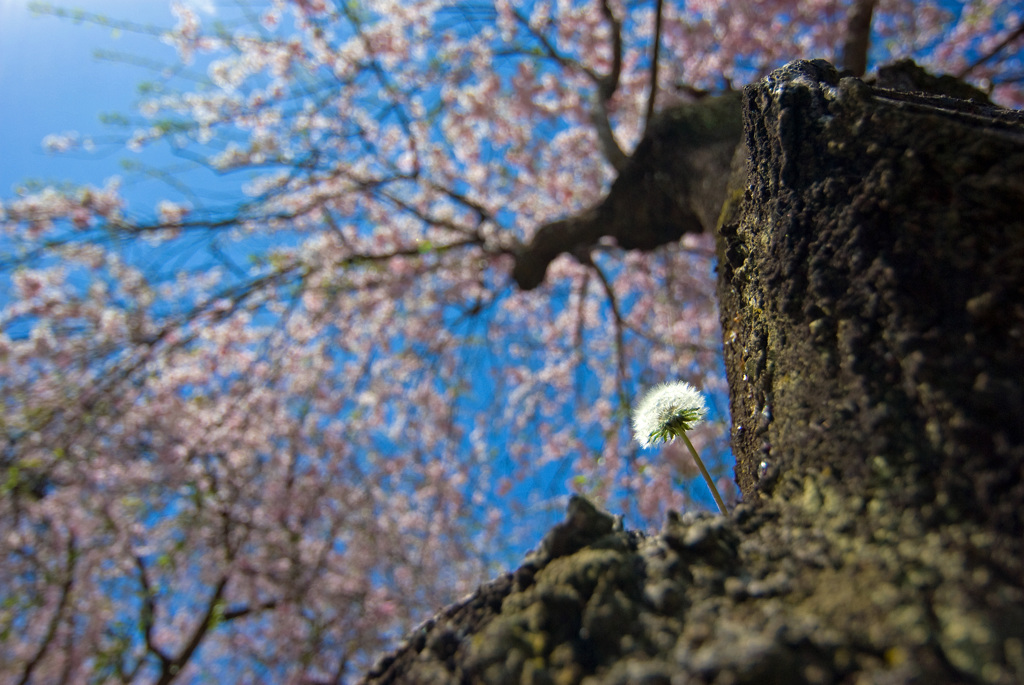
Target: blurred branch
[[81, 16], [170, 669], [606, 84], [655, 50], [674, 183], [858, 37], [620, 344], [148, 618], [1013, 35], [606, 87], [58, 614]]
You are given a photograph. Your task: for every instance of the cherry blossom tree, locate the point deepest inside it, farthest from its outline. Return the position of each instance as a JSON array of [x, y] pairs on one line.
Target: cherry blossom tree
[[256, 439]]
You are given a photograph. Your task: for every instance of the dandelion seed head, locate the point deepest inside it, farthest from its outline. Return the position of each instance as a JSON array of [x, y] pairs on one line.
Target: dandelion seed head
[[666, 412]]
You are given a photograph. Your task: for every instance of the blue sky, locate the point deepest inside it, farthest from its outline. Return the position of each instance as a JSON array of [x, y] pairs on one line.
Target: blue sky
[[51, 82]]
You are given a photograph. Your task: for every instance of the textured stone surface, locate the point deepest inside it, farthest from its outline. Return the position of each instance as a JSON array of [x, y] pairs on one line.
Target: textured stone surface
[[872, 280]]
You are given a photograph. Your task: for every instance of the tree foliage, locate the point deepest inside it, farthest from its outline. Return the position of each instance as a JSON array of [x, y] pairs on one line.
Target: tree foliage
[[256, 437]]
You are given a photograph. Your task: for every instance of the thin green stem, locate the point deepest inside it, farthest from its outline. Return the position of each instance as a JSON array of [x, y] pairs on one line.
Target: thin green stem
[[707, 476]]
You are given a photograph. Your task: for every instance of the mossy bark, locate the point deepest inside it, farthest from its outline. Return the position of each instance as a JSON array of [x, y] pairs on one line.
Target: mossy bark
[[871, 297], [871, 286]]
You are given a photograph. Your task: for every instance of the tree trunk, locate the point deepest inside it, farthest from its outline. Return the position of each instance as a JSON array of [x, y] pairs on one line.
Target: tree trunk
[[871, 297], [871, 292]]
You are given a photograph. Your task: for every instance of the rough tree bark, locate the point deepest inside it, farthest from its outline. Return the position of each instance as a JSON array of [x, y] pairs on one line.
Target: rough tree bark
[[871, 290]]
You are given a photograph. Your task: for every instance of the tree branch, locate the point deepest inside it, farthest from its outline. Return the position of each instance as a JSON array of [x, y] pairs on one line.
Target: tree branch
[[58, 614], [148, 619], [620, 344], [606, 137], [171, 669], [674, 183], [606, 87], [858, 37], [655, 50], [1013, 35]]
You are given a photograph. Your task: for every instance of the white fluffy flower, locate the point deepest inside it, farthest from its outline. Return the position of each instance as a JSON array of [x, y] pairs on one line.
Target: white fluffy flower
[[666, 412]]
